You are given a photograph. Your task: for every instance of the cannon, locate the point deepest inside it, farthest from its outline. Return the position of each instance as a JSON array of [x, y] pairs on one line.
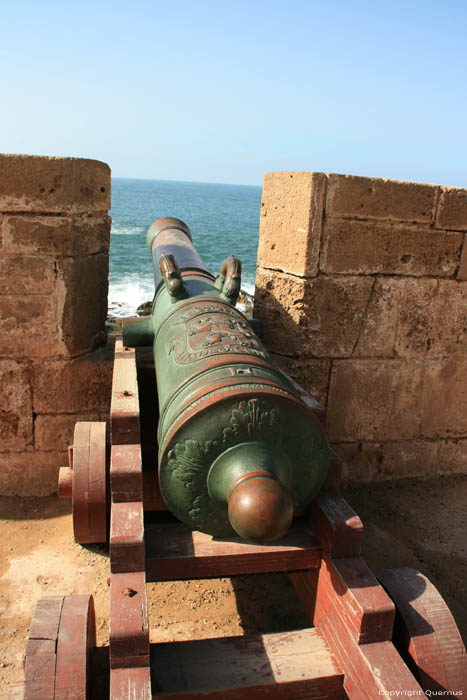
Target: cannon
[[240, 452]]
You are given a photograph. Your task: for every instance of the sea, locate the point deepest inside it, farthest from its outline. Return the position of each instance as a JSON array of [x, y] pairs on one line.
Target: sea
[[223, 220]]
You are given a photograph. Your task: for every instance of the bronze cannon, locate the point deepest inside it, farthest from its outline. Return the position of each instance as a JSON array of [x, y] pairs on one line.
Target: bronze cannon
[[239, 451]]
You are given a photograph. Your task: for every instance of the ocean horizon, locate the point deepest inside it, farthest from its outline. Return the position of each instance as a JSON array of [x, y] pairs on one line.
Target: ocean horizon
[[223, 219]]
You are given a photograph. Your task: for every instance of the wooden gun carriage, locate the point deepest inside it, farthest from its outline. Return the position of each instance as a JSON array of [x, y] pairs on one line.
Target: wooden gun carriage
[[369, 636]]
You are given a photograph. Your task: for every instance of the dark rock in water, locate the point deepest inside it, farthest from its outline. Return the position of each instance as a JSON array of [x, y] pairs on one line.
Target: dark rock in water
[[144, 309], [245, 302], [113, 325]]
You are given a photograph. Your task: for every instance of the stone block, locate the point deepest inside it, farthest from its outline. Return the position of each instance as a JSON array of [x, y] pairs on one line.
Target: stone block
[[375, 198], [320, 317], [280, 305], [374, 461], [82, 285], [56, 235], [31, 473], [311, 374], [290, 222], [78, 385], [379, 328], [374, 247], [26, 274], [374, 400], [462, 272], [408, 458], [432, 318], [335, 308], [452, 209], [55, 432], [444, 399], [28, 327], [359, 460], [42, 184], [16, 410], [452, 457]]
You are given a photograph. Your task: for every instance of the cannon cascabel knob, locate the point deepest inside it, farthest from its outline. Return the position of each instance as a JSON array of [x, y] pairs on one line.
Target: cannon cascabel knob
[[260, 508], [254, 478]]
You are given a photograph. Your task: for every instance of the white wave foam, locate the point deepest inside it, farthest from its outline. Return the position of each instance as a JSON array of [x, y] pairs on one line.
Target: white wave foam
[[120, 229], [249, 288], [126, 296]]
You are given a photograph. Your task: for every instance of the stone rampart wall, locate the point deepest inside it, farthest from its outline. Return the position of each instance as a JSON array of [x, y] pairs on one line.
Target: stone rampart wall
[[361, 285], [54, 243]]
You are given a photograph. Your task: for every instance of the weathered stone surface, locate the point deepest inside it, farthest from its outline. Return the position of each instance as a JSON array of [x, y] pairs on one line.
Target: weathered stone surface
[[408, 458], [379, 328], [56, 235], [378, 461], [43, 184], [452, 209], [360, 460], [335, 307], [311, 374], [320, 317], [444, 399], [82, 285], [26, 274], [374, 198], [374, 400], [55, 432], [462, 272], [75, 386], [28, 327], [452, 457], [432, 318], [280, 305], [16, 407], [291, 220], [373, 247], [30, 473], [424, 319]]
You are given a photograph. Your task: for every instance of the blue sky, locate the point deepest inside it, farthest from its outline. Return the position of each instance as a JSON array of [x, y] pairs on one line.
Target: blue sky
[[221, 91]]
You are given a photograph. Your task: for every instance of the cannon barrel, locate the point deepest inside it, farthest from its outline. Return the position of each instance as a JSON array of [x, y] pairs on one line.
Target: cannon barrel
[[239, 451]]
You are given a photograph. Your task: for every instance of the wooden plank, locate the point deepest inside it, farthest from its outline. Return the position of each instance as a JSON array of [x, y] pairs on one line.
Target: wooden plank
[[284, 665], [97, 498], [174, 552], [351, 590], [333, 478], [129, 628], [425, 632], [40, 654], [124, 404], [45, 622], [130, 683], [127, 537], [372, 669], [337, 526], [39, 677], [125, 473], [80, 494], [76, 639]]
